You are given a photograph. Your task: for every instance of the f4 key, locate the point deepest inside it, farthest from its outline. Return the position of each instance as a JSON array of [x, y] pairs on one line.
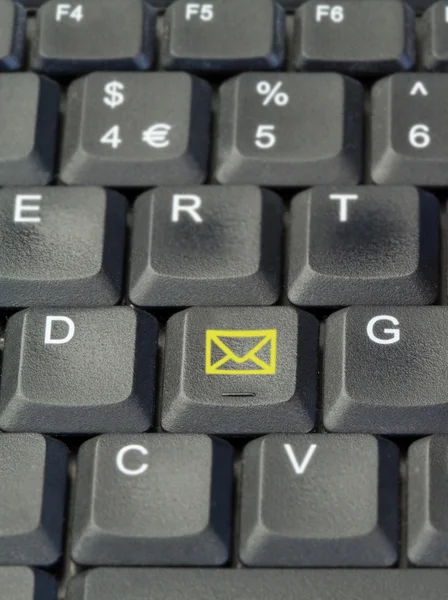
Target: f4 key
[[93, 36]]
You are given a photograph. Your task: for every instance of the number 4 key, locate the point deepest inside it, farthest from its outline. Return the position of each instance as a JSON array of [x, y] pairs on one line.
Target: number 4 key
[[409, 130]]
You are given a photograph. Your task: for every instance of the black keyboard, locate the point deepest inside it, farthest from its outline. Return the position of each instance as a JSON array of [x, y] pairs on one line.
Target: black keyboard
[[223, 300]]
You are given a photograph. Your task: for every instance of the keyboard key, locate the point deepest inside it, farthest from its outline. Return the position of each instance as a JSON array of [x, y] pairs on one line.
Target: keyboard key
[[289, 4], [427, 489], [12, 38], [223, 35], [289, 130], [385, 370], [240, 371], [136, 129], [161, 4], [153, 500], [29, 107], [420, 5], [31, 3], [206, 245], [320, 501], [363, 245], [358, 37], [26, 584], [434, 46], [61, 246], [33, 474], [263, 584], [79, 371], [409, 130], [93, 36]]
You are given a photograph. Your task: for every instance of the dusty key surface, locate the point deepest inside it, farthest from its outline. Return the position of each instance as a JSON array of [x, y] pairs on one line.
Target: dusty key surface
[[247, 584], [79, 371], [320, 501], [153, 500]]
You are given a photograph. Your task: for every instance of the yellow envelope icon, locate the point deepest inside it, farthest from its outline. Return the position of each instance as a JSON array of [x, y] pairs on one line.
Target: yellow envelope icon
[[234, 362]]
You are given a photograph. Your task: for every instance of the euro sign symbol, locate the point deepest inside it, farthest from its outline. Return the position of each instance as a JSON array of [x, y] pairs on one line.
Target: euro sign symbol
[[157, 135], [114, 96]]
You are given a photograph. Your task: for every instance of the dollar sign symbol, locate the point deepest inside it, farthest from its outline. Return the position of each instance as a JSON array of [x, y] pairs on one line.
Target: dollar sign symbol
[[114, 96]]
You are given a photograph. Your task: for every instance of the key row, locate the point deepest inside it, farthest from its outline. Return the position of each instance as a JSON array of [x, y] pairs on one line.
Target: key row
[[141, 130], [200, 584], [311, 500], [417, 5], [215, 245], [230, 371], [362, 37]]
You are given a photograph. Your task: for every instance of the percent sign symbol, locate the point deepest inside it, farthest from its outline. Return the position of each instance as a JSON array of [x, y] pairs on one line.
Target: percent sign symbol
[[272, 93]]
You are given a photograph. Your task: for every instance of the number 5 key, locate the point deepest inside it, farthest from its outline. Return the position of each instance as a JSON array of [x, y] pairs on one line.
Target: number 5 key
[[290, 130]]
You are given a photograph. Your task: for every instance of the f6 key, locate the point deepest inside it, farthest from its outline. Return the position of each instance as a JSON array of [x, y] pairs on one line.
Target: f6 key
[[358, 37]]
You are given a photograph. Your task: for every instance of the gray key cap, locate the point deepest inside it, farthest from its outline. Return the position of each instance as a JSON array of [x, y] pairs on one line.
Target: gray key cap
[[136, 129], [33, 475], [363, 245], [358, 37], [320, 501], [153, 500], [240, 371], [12, 38], [223, 35], [79, 371], [409, 131], [61, 246], [206, 245], [433, 38], [427, 520], [93, 36], [29, 107], [290, 4], [420, 5], [289, 129], [385, 370], [263, 584], [26, 584], [161, 4]]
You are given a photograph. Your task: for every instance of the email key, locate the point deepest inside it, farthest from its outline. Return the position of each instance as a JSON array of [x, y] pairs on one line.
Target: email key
[[237, 371]]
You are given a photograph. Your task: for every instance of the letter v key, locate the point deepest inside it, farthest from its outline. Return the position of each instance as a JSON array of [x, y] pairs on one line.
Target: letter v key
[[300, 468]]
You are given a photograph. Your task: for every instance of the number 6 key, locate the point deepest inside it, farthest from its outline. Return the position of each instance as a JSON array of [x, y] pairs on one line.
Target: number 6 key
[[409, 130]]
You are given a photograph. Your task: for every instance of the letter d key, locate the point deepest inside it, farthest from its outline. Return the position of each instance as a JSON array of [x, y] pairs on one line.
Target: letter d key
[[79, 371]]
